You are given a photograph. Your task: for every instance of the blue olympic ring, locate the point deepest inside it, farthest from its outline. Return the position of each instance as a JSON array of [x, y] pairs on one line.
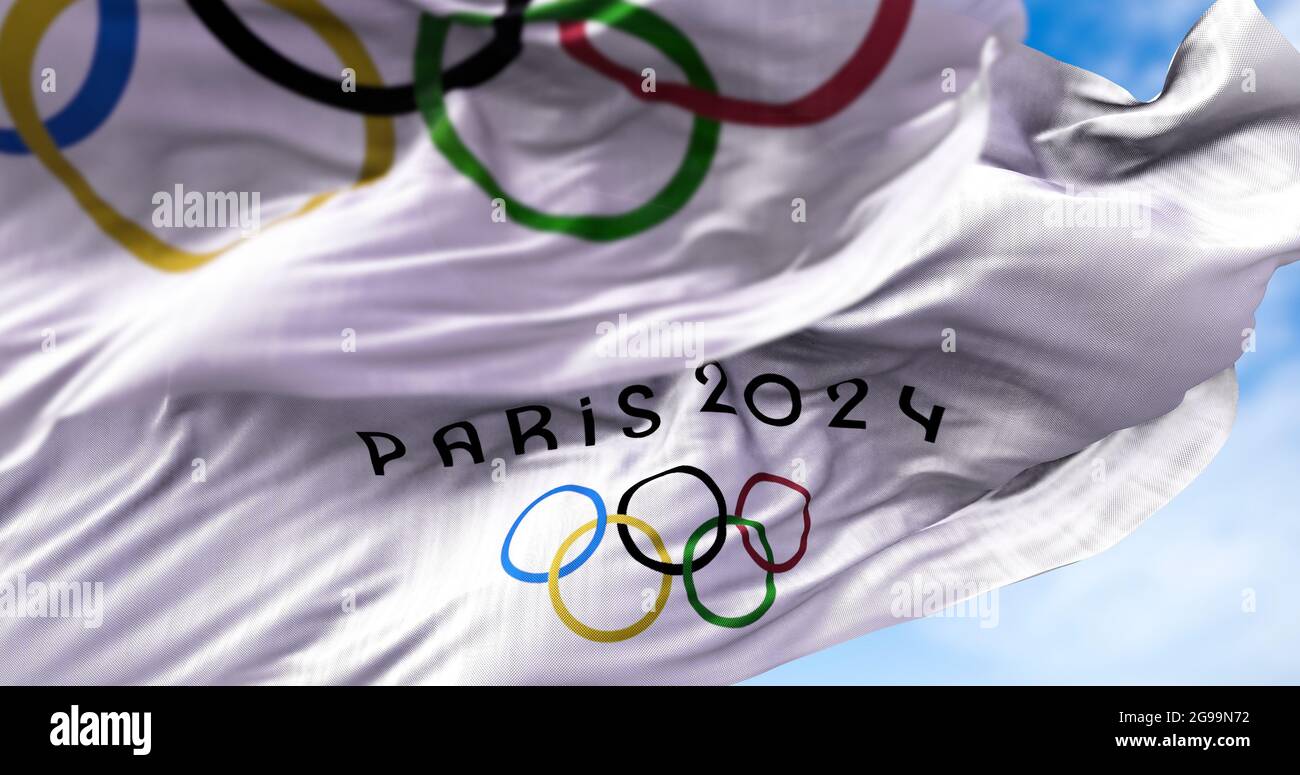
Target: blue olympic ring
[[110, 69], [542, 578]]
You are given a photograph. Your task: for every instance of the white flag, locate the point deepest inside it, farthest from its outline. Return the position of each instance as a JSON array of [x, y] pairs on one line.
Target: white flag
[[674, 342]]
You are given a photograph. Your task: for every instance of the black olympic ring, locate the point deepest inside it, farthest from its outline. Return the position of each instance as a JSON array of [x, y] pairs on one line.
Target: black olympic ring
[[482, 66], [675, 568]]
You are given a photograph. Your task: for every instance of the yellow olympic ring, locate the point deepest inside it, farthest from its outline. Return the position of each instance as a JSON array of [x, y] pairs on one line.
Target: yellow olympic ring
[[608, 636], [22, 32]]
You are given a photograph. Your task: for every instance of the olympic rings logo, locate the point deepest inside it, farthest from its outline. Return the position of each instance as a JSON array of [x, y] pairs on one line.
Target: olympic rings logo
[[115, 49], [20, 36], [687, 568]]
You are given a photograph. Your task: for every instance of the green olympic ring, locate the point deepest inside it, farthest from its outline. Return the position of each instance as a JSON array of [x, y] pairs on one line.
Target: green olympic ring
[[688, 557], [631, 19]]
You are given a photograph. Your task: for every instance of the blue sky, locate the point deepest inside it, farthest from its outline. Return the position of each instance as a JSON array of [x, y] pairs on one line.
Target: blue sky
[[1165, 605]]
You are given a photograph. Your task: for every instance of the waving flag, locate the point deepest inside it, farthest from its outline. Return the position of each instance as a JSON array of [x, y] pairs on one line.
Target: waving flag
[[590, 340]]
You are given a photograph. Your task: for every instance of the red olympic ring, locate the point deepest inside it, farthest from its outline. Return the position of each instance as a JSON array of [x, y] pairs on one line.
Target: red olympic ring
[[771, 567], [853, 78]]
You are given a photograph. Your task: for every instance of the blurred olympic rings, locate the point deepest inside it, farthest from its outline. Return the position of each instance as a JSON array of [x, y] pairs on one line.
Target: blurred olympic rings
[[115, 51], [699, 96], [20, 35]]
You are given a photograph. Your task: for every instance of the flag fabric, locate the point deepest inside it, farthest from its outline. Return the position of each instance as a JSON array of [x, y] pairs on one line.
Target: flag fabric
[[592, 341]]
